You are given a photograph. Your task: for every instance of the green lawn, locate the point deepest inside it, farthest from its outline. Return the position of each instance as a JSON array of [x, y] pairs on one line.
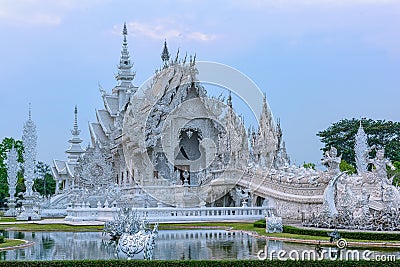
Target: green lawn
[[11, 243], [7, 219]]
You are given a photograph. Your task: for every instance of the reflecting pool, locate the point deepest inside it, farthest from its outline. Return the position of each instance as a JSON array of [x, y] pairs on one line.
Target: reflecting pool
[[171, 244]]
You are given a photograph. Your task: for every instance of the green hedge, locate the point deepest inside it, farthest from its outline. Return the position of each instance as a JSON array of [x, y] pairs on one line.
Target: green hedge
[[348, 235], [343, 234], [197, 263], [259, 223]]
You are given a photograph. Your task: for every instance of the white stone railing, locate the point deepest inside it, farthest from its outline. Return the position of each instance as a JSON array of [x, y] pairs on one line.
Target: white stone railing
[[171, 214]]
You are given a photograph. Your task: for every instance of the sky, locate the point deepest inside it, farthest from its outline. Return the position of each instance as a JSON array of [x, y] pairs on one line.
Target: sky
[[317, 61]]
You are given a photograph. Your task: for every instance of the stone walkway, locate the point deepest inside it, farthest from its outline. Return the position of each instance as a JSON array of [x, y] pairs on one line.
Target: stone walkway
[[323, 242]]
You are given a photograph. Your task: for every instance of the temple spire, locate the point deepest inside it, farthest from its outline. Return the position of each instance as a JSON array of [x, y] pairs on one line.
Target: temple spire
[[125, 74], [125, 31], [266, 139], [75, 150], [124, 88], [165, 54]]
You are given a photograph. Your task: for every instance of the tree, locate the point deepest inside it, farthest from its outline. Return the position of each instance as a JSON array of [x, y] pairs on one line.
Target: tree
[[5, 147], [395, 173], [309, 165], [45, 183], [344, 166], [380, 133]]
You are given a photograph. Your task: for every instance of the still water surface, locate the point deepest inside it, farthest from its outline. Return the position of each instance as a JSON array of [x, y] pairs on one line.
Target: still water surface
[[171, 244]]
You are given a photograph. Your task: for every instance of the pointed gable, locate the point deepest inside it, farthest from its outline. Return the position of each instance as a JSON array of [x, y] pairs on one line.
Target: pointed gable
[[105, 120], [111, 104], [96, 133]]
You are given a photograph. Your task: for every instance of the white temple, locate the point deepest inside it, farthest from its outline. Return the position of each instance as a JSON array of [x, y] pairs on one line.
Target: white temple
[[167, 144]]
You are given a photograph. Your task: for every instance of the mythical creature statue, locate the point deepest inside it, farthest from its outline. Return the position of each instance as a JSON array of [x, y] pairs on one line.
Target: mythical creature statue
[[329, 196], [132, 235], [332, 160], [140, 244], [380, 163]]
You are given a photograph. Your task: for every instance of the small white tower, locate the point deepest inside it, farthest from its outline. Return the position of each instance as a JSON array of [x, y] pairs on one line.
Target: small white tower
[[75, 150]]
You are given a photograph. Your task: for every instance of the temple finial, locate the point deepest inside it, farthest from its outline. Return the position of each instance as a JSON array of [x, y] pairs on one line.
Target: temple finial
[[30, 111], [165, 53], [75, 131], [177, 56], [76, 118], [229, 102], [125, 33], [125, 30]]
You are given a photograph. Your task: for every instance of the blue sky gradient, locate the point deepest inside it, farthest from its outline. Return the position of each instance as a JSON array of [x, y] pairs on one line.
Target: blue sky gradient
[[317, 61]]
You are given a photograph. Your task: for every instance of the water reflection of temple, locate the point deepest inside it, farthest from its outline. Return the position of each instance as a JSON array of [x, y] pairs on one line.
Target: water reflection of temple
[[204, 244], [171, 244]]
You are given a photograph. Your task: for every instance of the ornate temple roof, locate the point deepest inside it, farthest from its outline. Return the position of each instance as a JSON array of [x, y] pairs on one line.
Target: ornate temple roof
[[60, 166], [111, 104], [97, 133], [105, 120]]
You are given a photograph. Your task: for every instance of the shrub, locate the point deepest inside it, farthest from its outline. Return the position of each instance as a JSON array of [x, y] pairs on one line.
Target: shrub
[[197, 263], [348, 235], [259, 223]]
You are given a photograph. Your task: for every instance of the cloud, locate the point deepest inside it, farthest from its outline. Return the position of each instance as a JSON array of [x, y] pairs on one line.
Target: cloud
[[167, 29], [201, 36], [39, 12], [256, 4]]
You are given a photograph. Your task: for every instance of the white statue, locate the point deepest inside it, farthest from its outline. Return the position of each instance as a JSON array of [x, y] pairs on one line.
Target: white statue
[[332, 160], [380, 163], [329, 195]]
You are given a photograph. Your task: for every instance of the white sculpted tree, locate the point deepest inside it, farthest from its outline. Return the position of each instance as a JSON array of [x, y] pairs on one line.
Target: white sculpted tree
[[361, 150], [29, 140], [12, 171]]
